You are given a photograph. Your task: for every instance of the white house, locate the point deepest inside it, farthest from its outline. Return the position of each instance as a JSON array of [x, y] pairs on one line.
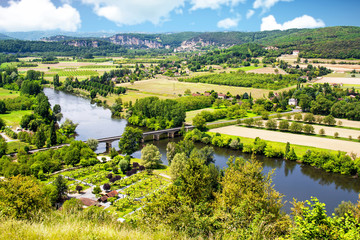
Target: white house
[[293, 101]]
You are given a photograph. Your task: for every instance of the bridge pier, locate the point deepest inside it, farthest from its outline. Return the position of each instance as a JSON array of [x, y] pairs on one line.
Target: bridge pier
[[156, 137], [108, 146], [171, 134]]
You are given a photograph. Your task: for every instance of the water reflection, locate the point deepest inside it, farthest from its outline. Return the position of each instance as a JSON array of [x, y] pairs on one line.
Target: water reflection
[[291, 179]]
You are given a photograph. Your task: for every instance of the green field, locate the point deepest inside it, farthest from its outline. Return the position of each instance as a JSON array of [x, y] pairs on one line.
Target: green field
[[98, 66], [4, 93], [13, 119], [73, 73]]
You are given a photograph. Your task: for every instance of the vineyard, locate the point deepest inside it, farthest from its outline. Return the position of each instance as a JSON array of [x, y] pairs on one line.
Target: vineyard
[[73, 73], [98, 66]]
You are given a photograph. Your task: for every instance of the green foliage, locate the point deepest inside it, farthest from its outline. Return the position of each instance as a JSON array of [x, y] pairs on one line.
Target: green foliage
[[151, 156], [130, 140], [240, 79], [22, 197], [157, 114], [92, 143]]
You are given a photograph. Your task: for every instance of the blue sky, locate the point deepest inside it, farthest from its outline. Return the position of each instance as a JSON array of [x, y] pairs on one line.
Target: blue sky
[[174, 15]]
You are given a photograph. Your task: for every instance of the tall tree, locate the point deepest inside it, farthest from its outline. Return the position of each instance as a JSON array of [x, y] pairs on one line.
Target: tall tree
[[130, 140]]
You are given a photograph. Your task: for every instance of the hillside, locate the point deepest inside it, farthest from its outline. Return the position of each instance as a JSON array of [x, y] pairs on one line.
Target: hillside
[[331, 42], [4, 37]]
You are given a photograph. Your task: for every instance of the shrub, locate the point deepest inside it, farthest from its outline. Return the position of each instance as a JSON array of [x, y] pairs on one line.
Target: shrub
[[336, 134], [284, 125], [322, 131], [298, 117], [271, 152], [309, 117], [271, 124], [329, 120], [309, 129], [296, 127], [106, 186]]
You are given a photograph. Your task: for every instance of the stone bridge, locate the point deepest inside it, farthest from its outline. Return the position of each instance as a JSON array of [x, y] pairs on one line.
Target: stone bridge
[[156, 135]]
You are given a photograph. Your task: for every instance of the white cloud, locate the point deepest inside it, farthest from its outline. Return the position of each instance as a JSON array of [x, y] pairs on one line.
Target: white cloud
[[228, 23], [132, 12], [38, 15], [249, 13], [214, 4], [269, 23], [267, 4]]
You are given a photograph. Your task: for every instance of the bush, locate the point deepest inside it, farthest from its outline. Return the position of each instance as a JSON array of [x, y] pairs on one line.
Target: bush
[[271, 124], [309, 129], [329, 120], [322, 131], [309, 117], [296, 127], [284, 125], [298, 117], [336, 134]]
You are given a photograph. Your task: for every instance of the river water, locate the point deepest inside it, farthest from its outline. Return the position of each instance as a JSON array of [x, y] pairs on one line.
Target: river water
[[291, 179]]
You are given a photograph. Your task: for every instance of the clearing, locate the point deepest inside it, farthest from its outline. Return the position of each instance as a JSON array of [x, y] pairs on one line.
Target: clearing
[[4, 93], [303, 140], [13, 119]]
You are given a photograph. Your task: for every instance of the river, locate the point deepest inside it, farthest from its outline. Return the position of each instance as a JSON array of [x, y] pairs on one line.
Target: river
[[291, 179]]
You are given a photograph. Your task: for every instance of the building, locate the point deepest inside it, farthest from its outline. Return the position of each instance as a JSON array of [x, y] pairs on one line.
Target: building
[[293, 101], [296, 52]]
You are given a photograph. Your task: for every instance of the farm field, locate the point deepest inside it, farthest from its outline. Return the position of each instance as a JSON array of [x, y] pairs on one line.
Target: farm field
[[13, 119], [338, 80], [332, 144], [4, 93], [267, 70], [173, 87]]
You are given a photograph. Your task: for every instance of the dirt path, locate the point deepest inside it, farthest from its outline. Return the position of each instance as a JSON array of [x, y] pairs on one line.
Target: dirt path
[[311, 141]]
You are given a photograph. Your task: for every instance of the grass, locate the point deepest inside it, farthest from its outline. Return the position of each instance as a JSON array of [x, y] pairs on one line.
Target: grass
[[4, 93], [13, 118], [299, 150], [73, 73], [68, 226], [15, 146]]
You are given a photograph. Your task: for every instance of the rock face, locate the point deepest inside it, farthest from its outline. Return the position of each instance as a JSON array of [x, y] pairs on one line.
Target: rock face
[[194, 44], [134, 41], [83, 43]]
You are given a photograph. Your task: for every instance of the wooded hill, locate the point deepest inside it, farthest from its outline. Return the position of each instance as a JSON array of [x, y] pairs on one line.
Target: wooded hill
[[330, 42]]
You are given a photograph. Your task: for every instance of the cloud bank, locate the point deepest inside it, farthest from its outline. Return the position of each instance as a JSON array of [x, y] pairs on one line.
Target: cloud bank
[[38, 15], [228, 23], [267, 4], [269, 23], [132, 12]]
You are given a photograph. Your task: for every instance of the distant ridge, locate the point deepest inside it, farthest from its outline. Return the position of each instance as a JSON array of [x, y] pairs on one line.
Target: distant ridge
[[4, 37]]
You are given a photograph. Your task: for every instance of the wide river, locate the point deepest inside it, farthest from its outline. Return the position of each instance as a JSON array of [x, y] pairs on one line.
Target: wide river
[[291, 179]]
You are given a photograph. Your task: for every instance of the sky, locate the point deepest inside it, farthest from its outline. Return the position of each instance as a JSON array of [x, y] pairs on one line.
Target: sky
[[149, 16]]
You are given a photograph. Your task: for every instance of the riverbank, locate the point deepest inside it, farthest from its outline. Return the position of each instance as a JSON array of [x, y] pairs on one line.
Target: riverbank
[[302, 140]]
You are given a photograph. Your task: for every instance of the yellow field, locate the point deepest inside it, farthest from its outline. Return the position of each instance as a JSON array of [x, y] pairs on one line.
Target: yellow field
[[171, 88]]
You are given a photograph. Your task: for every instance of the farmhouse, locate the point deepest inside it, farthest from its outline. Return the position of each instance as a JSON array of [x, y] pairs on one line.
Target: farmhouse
[[293, 102]]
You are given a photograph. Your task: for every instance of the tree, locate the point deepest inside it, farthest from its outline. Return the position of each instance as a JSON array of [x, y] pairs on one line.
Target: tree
[[199, 122], [57, 109], [79, 188], [271, 124], [61, 187], [329, 120], [2, 123], [284, 125], [309, 117], [177, 165], [249, 122], [151, 156], [319, 119], [53, 137], [106, 187], [22, 197], [170, 151], [322, 131], [92, 143], [124, 165], [56, 81], [296, 127], [40, 138], [218, 103], [96, 190], [298, 117], [130, 140], [336, 134], [2, 107], [93, 94], [308, 129]]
